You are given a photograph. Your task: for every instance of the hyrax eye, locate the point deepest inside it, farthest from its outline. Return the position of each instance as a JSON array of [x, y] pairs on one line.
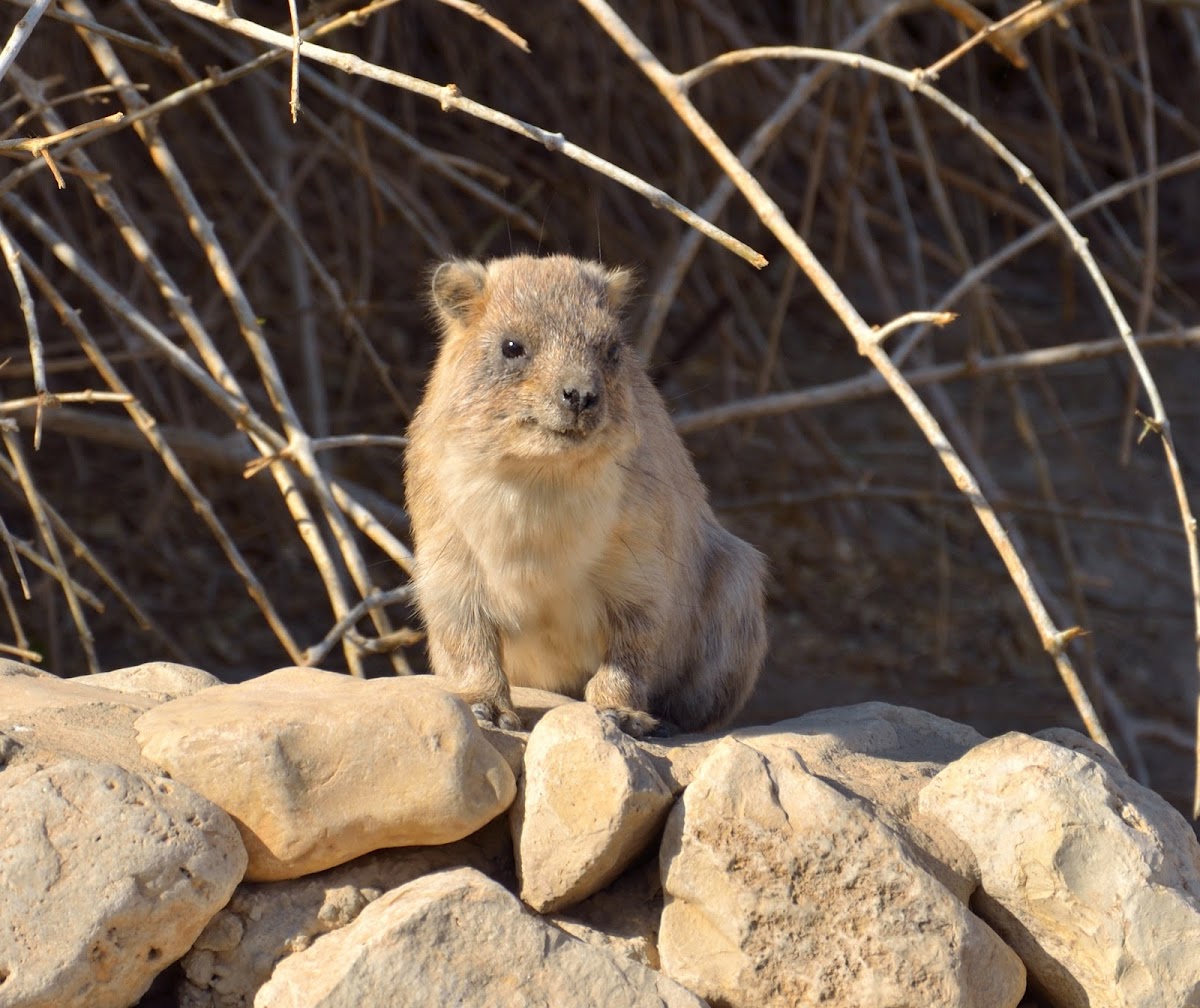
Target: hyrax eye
[[613, 353], [512, 348]]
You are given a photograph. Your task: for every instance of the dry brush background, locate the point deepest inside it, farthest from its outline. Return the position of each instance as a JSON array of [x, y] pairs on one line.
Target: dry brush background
[[214, 327]]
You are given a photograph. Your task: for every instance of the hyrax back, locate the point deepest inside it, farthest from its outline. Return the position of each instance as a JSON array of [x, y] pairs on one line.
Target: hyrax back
[[563, 538]]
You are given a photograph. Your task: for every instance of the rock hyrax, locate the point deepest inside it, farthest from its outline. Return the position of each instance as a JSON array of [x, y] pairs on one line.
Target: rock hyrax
[[563, 538]]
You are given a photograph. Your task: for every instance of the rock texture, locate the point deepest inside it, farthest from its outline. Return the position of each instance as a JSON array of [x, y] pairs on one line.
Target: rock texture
[[319, 768], [589, 804], [885, 755], [1092, 878], [458, 938], [105, 879], [781, 890]]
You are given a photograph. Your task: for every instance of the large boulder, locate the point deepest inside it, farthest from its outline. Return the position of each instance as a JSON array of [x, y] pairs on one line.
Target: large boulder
[[1092, 878], [458, 938], [319, 768], [106, 878], [783, 890]]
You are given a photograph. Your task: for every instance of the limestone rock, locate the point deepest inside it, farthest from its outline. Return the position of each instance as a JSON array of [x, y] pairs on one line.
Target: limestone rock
[[782, 890], [313, 782], [46, 719], [885, 754], [105, 879], [266, 922], [8, 667], [1068, 738], [1092, 878], [158, 680], [880, 752], [531, 705], [622, 918], [590, 802], [458, 938]]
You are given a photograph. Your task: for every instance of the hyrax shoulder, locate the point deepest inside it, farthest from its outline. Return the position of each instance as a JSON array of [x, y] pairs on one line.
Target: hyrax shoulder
[[563, 538]]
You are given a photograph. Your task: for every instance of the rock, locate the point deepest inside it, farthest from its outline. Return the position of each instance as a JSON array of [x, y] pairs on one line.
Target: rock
[[622, 918], [590, 802], [1068, 738], [8, 667], [903, 734], [46, 720], [531, 705], [158, 680], [1093, 879], [458, 938], [313, 782], [880, 752], [105, 879], [886, 731], [886, 755], [782, 890], [266, 922]]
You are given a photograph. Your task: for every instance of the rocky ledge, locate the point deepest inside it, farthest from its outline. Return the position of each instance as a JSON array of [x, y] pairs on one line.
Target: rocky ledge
[[306, 839]]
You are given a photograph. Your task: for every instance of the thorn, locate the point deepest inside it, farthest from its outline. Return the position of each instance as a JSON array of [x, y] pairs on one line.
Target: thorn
[[1148, 424], [1061, 639]]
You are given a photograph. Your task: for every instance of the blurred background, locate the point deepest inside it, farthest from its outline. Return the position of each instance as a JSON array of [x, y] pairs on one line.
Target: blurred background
[[243, 284]]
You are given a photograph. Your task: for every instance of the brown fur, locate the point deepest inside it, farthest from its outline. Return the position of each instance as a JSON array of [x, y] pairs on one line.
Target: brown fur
[[563, 538]]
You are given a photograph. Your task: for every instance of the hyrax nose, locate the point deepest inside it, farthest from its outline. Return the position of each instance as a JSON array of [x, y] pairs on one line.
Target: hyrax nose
[[580, 399]]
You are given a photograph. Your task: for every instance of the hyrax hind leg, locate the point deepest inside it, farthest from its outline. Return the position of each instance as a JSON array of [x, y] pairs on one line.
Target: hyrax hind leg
[[732, 632]]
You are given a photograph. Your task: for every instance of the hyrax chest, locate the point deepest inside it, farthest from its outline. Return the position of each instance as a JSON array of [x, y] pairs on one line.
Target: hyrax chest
[[542, 547]]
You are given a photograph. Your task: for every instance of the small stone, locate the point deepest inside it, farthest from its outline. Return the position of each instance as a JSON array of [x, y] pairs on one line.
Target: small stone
[[590, 803]]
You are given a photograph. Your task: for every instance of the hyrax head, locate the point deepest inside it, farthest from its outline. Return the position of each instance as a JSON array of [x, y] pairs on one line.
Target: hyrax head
[[538, 354]]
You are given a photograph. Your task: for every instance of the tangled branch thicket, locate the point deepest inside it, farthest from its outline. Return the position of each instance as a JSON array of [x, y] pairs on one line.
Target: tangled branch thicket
[[216, 332]]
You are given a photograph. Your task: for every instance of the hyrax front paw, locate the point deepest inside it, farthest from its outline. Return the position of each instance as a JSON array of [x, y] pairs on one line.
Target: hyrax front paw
[[494, 714], [635, 723]]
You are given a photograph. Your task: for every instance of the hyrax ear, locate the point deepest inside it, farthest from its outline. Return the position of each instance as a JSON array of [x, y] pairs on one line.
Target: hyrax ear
[[456, 290], [620, 283]]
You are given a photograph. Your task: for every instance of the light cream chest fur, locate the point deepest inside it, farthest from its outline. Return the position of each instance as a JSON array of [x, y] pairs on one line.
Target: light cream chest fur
[[538, 543]]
